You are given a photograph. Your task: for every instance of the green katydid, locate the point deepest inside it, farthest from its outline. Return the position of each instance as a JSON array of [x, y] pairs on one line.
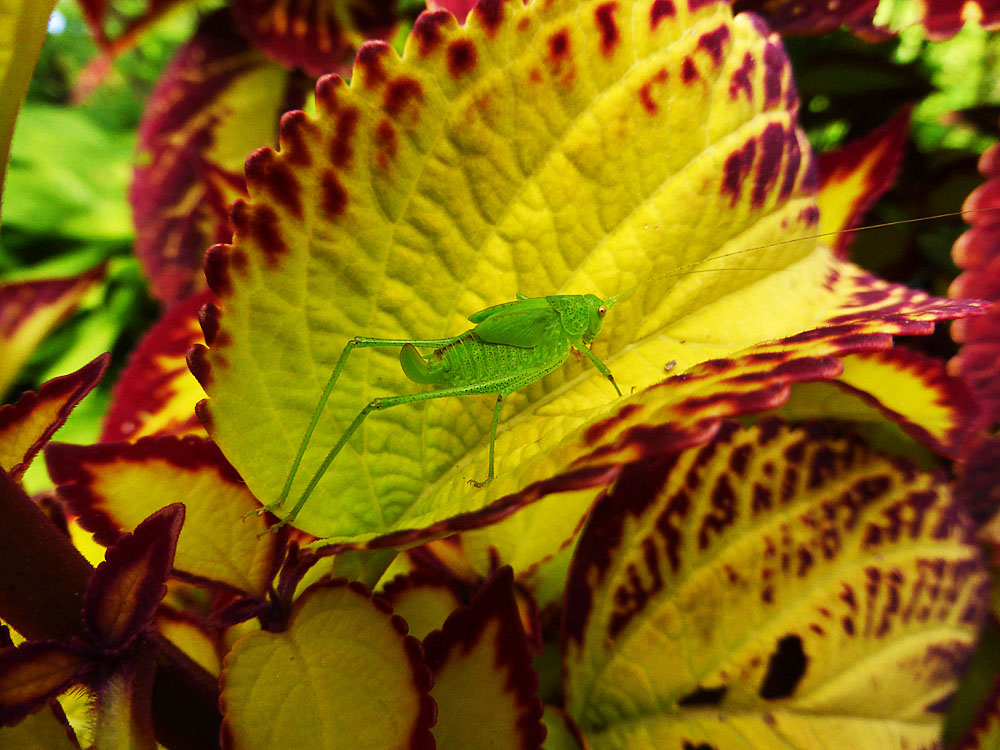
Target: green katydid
[[511, 345]]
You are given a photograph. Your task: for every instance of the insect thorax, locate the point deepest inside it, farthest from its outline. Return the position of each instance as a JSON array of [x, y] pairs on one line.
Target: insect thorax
[[574, 312]]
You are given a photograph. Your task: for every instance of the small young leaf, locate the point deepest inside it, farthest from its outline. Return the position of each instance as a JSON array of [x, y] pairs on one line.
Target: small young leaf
[[127, 586]]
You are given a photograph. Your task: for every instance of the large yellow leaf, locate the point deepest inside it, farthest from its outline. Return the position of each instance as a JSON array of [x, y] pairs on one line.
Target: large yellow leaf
[[779, 587], [560, 147]]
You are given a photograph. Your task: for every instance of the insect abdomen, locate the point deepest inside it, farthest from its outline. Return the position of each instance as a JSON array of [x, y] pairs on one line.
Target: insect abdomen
[[468, 360]]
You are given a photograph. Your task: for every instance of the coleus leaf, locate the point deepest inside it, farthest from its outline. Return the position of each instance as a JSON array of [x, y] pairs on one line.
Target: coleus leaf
[[29, 310], [319, 36], [26, 426], [44, 730], [777, 583], [25, 23], [156, 393], [855, 175], [216, 101], [125, 589], [114, 486], [33, 674], [423, 598], [344, 674], [488, 162], [482, 650]]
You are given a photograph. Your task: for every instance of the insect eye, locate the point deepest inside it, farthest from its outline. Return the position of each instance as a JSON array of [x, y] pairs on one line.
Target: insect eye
[[601, 310]]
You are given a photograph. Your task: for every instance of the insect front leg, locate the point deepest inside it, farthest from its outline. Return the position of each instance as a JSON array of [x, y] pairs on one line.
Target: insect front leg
[[601, 367]]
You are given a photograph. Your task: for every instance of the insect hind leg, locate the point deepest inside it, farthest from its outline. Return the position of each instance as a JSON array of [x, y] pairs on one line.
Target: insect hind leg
[[493, 440]]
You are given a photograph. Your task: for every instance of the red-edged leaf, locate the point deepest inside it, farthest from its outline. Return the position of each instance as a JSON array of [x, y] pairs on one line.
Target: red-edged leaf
[[127, 586], [916, 392], [156, 393], [25, 427], [29, 310], [113, 486], [33, 674], [424, 597], [944, 18], [318, 36], [216, 102], [482, 651], [854, 176], [977, 253]]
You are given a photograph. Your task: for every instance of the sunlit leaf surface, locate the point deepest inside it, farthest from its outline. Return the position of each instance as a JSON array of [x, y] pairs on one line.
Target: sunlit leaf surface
[[553, 148], [777, 587], [343, 675]]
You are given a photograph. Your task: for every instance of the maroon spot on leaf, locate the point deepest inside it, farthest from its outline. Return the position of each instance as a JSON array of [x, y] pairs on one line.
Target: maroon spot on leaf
[[217, 270], [768, 167], [535, 76], [767, 594], [646, 91], [197, 361], [400, 92], [427, 29], [792, 164], [296, 131], [805, 562], [462, 57], [774, 68], [713, 42], [689, 71], [740, 80], [785, 668], [739, 459], [208, 318], [239, 216], [689, 745], [264, 230], [341, 150], [695, 5], [701, 696], [490, 14], [661, 9], [848, 598], [385, 139], [369, 62], [604, 15], [327, 92], [643, 583], [558, 47], [736, 169], [266, 171], [720, 515], [334, 194], [761, 500]]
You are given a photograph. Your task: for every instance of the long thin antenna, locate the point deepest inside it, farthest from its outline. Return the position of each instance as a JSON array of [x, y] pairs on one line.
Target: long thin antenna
[[682, 270]]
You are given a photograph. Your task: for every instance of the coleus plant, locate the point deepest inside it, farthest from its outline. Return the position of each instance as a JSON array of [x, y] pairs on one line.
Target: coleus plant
[[739, 553]]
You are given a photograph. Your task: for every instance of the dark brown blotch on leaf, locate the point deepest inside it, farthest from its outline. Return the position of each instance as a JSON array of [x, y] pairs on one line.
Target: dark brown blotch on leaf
[[462, 57]]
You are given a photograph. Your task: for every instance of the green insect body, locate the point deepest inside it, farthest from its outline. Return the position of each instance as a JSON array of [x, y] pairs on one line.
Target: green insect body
[[512, 345]]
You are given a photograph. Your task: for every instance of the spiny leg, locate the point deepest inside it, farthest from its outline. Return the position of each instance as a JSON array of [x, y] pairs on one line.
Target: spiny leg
[[359, 342], [377, 404], [601, 367], [493, 440]]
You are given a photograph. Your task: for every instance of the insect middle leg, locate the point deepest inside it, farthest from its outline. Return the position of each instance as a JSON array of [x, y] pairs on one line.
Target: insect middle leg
[[359, 342]]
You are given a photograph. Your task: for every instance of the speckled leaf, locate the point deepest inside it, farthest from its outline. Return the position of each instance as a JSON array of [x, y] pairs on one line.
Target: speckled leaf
[[777, 587], [125, 589], [318, 36], [113, 486], [216, 101], [156, 393], [29, 310], [482, 650], [490, 161], [26, 426], [304, 687]]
